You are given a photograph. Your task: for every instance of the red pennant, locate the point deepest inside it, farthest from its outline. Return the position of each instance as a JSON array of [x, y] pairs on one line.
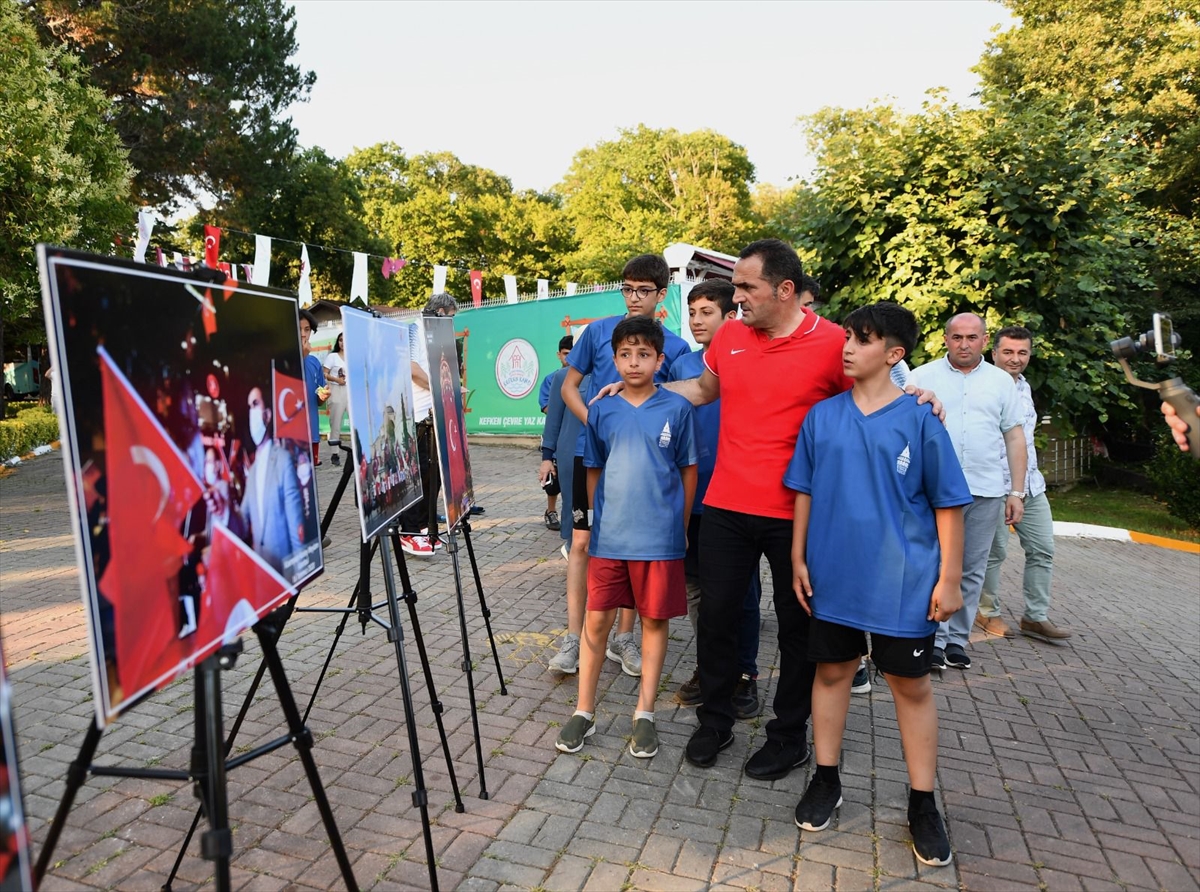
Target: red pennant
[[151, 490], [393, 265], [239, 588], [212, 245], [476, 287], [288, 408]]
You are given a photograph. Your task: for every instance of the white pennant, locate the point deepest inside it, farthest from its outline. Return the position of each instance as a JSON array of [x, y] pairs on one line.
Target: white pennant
[[358, 283], [145, 228], [305, 289], [510, 289], [262, 260], [543, 289], [439, 280], [571, 287]]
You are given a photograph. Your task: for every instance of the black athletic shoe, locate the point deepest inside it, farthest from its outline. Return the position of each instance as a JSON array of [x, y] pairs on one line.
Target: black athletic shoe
[[956, 657], [776, 759], [930, 843], [816, 807], [706, 742], [938, 661], [689, 692], [746, 704], [862, 680]]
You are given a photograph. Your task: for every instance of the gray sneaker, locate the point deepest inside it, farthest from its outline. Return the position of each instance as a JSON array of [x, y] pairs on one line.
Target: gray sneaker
[[566, 661], [571, 737], [624, 650], [644, 744]]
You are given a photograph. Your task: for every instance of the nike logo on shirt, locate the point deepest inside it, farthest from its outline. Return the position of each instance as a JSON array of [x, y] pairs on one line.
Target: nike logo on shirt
[[734, 352]]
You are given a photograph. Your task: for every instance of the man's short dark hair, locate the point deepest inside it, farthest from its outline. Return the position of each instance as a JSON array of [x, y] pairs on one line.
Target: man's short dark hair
[[566, 342], [648, 268], [312, 320], [440, 302], [719, 291], [780, 262], [1016, 332], [809, 284], [892, 322], [639, 329]]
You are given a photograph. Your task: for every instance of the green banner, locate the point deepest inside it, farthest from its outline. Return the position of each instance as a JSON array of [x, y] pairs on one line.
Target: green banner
[[510, 348]]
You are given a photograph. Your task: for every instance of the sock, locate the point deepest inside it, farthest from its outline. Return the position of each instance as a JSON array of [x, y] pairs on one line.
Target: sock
[[916, 797], [829, 774], [587, 715], [642, 714], [571, 636]]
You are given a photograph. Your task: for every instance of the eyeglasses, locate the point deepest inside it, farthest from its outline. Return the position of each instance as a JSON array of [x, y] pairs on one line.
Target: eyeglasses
[[644, 292]]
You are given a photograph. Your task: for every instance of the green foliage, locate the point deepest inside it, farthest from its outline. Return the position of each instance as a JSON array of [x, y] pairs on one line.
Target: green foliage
[[198, 87], [31, 427], [1176, 476], [652, 187]]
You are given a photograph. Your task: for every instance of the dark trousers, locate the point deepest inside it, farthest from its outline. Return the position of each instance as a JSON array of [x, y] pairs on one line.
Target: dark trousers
[[733, 544], [422, 514]]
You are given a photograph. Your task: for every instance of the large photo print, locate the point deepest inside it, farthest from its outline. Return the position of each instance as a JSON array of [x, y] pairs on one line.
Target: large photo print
[[445, 386], [384, 431], [15, 861], [186, 444]]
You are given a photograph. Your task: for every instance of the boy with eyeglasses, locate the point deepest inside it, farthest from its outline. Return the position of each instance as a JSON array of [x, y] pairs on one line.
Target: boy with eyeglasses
[[644, 287]]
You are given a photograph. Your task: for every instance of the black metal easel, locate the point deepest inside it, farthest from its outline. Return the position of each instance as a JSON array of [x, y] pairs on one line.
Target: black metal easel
[[208, 761]]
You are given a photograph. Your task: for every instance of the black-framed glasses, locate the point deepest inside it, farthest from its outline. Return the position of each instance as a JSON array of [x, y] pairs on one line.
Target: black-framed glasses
[[643, 292]]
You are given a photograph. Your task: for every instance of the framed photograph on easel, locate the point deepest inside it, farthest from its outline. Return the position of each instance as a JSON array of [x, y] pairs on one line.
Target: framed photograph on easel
[[445, 385], [15, 863]]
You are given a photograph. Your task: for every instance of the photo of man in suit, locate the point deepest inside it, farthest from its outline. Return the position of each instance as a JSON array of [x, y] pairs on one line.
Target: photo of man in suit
[[272, 507]]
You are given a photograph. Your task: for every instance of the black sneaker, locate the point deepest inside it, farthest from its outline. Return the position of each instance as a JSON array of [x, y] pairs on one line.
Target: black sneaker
[[689, 692], [817, 805], [862, 680], [938, 660], [775, 759], [956, 657], [929, 840], [551, 519], [335, 459], [746, 704], [706, 742]]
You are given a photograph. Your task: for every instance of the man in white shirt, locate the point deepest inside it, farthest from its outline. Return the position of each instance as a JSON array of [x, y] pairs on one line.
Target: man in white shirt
[[1013, 350], [983, 418]]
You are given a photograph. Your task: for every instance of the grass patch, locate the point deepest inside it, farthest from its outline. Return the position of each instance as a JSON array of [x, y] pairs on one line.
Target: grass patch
[[1120, 508]]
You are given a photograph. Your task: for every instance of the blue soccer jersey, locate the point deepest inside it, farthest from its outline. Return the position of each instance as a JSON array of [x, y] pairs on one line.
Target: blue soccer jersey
[[638, 508], [875, 480], [593, 355], [708, 424]]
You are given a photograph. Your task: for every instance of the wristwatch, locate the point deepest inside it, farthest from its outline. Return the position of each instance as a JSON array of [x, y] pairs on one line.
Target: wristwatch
[[1016, 492]]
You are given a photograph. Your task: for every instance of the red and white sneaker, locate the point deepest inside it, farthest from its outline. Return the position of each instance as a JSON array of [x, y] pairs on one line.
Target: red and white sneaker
[[417, 546]]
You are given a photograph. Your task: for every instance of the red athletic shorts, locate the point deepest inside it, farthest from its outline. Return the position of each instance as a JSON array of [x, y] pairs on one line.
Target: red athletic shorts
[[656, 588]]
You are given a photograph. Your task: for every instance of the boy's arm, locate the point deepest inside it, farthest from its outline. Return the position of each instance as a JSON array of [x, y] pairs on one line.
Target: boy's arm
[[800, 583], [947, 593], [593, 480], [570, 394], [688, 474]]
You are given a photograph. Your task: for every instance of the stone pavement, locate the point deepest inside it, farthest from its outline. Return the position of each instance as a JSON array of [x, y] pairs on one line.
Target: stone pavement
[[1062, 767]]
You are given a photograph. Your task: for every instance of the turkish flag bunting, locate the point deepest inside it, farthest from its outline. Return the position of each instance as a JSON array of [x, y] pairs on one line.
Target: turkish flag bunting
[[212, 245], [151, 490], [240, 588], [476, 287], [288, 408]]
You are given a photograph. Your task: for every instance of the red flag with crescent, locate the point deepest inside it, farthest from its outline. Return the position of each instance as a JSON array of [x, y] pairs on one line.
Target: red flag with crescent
[[476, 287], [151, 490], [212, 245], [288, 408], [240, 587]]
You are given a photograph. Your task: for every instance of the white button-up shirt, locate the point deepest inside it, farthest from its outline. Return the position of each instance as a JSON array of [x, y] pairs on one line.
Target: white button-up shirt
[[1035, 483], [981, 405]]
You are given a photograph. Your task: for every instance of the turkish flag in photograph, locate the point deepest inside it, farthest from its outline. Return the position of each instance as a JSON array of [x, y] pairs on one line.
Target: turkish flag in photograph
[[212, 245], [151, 490], [289, 408], [240, 587], [476, 287]]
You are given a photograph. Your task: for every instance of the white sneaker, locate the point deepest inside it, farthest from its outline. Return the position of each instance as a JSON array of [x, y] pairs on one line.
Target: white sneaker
[[563, 551], [566, 661], [624, 650]]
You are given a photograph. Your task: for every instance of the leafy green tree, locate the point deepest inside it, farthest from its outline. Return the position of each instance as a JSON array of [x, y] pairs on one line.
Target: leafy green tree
[[649, 188], [198, 87], [1016, 212], [64, 178]]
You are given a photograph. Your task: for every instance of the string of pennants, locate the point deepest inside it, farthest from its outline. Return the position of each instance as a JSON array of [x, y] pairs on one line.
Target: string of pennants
[[259, 272]]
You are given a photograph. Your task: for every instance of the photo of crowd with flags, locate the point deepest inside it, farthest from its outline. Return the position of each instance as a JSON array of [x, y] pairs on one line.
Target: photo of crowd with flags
[[379, 381], [186, 444]]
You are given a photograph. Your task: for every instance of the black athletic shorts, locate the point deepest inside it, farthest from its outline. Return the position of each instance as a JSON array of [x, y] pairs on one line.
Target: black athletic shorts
[[581, 513], [834, 643]]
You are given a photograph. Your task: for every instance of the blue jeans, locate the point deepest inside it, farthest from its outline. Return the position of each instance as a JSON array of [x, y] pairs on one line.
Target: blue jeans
[[979, 529], [1036, 532]]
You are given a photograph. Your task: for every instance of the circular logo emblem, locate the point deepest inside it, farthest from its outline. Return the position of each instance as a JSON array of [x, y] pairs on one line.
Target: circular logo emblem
[[517, 368]]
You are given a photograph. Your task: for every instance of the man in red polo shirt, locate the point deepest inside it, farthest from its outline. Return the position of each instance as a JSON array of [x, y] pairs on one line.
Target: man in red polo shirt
[[768, 372]]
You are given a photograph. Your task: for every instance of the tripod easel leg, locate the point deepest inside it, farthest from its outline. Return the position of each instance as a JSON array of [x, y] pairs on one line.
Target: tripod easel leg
[[76, 775], [487, 614], [208, 765], [467, 661]]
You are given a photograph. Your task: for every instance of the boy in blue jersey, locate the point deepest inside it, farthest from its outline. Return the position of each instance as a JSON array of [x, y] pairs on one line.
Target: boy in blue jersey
[[879, 477], [710, 305], [644, 287], [549, 482], [641, 476]]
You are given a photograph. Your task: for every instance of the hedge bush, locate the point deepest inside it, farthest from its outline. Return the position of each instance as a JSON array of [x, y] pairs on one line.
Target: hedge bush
[[1176, 476], [31, 427]]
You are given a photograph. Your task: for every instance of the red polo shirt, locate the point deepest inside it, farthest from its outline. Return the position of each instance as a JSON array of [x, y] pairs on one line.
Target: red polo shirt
[[767, 387]]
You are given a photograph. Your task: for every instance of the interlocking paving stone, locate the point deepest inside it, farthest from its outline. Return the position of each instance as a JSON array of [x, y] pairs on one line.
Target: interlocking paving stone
[[1074, 766]]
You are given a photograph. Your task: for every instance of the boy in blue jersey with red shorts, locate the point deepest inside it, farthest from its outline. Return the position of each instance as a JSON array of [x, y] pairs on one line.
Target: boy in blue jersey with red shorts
[[879, 478], [640, 455]]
